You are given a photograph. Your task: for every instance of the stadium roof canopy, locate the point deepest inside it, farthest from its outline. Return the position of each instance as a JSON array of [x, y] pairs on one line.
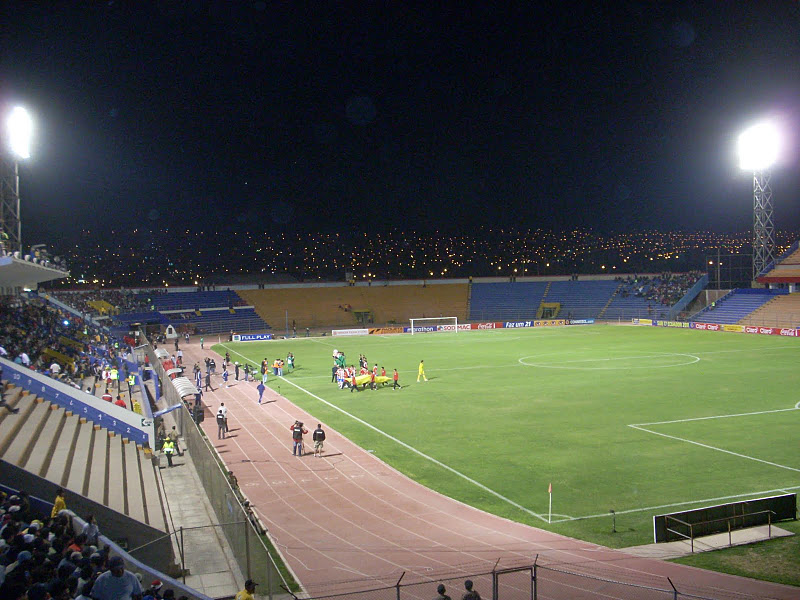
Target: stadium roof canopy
[[18, 273]]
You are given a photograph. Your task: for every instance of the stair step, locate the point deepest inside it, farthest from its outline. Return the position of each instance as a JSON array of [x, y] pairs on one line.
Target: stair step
[[116, 475], [57, 469], [27, 435], [98, 474], [78, 480], [13, 422], [133, 479], [152, 497], [48, 440]]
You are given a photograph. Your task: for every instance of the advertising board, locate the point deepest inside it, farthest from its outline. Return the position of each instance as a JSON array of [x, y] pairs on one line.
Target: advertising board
[[345, 332], [252, 337]]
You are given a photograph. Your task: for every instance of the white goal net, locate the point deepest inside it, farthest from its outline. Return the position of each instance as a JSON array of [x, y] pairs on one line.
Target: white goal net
[[433, 324]]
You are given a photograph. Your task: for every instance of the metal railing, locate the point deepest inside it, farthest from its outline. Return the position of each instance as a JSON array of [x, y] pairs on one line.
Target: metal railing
[[529, 582], [729, 521]]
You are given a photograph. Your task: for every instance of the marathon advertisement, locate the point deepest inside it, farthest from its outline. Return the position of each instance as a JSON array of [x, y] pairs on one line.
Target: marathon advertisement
[[252, 337], [384, 330], [345, 332], [486, 326], [421, 329], [580, 322]]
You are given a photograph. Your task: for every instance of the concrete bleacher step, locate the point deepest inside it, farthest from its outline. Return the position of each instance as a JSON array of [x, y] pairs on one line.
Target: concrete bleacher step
[[11, 396], [98, 474], [48, 439], [116, 476], [152, 496], [78, 469], [12, 423], [56, 469], [27, 436], [133, 480]]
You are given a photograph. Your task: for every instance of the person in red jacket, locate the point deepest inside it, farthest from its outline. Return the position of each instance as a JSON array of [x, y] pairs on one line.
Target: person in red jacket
[[107, 396], [120, 402], [353, 384], [395, 377]]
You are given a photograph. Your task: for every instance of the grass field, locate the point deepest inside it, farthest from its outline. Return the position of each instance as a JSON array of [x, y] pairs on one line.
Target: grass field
[[641, 420]]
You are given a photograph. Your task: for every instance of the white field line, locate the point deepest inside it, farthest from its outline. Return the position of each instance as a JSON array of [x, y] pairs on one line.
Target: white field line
[[674, 504], [420, 453], [639, 427]]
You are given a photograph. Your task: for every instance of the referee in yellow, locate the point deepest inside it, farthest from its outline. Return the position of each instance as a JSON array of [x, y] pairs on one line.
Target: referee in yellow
[[421, 372]]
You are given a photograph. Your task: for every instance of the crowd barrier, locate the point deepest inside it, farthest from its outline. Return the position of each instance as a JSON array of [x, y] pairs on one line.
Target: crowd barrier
[[237, 522]]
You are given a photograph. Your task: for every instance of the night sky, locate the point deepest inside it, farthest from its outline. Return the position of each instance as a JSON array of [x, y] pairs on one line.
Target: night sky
[[288, 116]]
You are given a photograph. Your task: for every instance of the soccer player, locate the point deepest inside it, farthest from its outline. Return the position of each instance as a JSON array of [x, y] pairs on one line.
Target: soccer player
[[395, 377], [421, 372]]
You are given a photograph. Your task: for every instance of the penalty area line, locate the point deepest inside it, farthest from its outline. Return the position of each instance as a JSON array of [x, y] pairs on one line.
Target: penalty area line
[[420, 453]]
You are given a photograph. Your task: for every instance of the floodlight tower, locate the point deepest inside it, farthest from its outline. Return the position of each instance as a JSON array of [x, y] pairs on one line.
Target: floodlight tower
[[758, 150], [19, 130]]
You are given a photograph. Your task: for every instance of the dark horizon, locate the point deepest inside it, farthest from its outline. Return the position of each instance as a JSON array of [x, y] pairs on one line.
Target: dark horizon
[[303, 118]]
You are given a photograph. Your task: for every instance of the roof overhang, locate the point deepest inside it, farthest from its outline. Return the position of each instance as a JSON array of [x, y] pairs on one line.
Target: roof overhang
[[18, 273]]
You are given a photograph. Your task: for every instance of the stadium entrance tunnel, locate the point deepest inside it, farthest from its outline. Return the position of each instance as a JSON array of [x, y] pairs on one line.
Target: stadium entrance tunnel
[[610, 361]]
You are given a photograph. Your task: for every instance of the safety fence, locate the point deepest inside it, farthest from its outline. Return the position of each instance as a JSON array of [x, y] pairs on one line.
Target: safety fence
[[238, 524], [534, 582]]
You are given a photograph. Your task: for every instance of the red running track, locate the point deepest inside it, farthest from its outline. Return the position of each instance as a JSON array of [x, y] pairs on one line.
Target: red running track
[[350, 522]]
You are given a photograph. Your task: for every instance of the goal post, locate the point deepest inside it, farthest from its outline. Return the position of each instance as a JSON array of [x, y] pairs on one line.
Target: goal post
[[431, 324]]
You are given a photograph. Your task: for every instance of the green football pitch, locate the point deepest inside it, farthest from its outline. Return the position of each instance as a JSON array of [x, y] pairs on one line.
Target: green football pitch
[[638, 420]]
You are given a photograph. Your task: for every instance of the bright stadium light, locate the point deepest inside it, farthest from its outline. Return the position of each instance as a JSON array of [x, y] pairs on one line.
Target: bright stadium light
[[20, 132], [759, 149]]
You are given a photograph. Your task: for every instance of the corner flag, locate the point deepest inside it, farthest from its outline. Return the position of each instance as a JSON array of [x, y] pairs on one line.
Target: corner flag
[[550, 488], [550, 510]]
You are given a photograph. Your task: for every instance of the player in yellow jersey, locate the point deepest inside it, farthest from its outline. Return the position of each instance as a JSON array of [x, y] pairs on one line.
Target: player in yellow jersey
[[421, 372]]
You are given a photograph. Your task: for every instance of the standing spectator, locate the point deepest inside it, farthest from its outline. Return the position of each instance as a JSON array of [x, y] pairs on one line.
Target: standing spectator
[[441, 591], [180, 358], [319, 440], [59, 503], [208, 382], [169, 449], [120, 402], [334, 369], [202, 347], [117, 583], [220, 425], [225, 377], [236, 371], [248, 592], [471, 594], [91, 531], [297, 438], [173, 435], [290, 361], [224, 410], [260, 389]]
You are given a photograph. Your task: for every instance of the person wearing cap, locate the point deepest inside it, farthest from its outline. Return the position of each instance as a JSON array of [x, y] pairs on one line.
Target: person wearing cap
[[173, 435], [155, 586], [471, 594], [248, 591], [441, 593], [297, 430], [117, 583]]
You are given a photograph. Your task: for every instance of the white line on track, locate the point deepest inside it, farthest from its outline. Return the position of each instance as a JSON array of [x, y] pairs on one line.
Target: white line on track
[[420, 453]]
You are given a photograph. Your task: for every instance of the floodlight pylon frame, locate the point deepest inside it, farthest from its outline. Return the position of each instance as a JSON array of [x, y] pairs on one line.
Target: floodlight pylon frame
[[763, 226], [10, 221]]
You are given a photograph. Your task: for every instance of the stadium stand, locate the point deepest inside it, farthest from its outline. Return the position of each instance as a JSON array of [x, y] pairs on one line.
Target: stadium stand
[[337, 306], [196, 300], [581, 299], [782, 310], [735, 306], [506, 301]]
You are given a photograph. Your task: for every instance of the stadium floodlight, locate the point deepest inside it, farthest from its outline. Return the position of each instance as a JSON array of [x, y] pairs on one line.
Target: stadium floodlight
[[759, 146], [20, 132], [759, 149]]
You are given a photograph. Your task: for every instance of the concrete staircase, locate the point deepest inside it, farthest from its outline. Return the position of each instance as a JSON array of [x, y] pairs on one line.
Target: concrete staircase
[[79, 456]]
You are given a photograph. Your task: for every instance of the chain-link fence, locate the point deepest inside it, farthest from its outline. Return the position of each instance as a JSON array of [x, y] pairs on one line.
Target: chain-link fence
[[536, 582], [236, 521]]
